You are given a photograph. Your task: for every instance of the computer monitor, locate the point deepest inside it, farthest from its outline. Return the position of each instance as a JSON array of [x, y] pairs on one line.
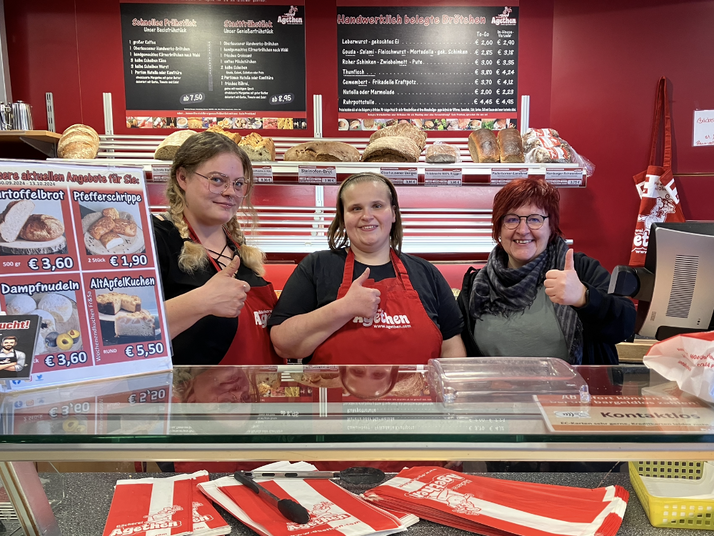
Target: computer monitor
[[675, 288]]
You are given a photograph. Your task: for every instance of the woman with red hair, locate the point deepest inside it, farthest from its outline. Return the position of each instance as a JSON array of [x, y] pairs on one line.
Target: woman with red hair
[[535, 296]]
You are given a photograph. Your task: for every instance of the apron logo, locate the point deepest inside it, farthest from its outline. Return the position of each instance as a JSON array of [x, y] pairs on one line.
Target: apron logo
[[261, 317], [383, 320]]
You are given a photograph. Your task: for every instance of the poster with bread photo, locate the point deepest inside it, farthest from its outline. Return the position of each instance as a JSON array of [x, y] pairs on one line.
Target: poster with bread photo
[[112, 229], [32, 227]]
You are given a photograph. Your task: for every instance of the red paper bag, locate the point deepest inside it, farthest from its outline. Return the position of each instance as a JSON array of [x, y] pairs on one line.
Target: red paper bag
[[659, 200]]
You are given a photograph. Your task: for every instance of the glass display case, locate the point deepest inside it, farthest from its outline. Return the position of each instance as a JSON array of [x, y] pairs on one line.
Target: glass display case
[[341, 413]]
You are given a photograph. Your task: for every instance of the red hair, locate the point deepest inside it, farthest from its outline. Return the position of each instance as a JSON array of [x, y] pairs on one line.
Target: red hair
[[525, 192]]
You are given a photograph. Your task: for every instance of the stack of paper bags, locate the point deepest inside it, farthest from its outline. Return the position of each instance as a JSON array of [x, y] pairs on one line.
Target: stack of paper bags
[[495, 507], [333, 510], [163, 507]]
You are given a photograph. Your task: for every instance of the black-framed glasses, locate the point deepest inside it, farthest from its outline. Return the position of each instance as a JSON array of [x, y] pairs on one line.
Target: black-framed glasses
[[533, 221], [219, 185]]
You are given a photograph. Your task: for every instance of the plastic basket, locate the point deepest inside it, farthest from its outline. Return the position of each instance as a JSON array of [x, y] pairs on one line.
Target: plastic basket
[[672, 512]]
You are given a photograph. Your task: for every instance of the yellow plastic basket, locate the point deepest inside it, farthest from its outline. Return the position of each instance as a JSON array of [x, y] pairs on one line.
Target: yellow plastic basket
[[672, 512]]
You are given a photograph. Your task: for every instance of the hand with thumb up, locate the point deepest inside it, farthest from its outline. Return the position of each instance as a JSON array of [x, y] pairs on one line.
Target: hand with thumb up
[[564, 286], [223, 293], [362, 301]]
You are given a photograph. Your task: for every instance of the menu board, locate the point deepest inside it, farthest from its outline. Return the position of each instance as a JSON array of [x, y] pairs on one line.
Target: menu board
[[77, 250], [442, 68], [194, 66]]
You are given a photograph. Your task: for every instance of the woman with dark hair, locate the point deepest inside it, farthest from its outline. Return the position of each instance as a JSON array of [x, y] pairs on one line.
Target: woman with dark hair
[[210, 277], [363, 301], [535, 297]]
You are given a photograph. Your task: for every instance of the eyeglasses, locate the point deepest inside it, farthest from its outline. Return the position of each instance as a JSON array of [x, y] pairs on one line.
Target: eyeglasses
[[219, 185], [533, 221]]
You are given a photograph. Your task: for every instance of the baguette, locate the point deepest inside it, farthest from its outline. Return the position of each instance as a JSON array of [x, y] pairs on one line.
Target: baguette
[[13, 219], [483, 146]]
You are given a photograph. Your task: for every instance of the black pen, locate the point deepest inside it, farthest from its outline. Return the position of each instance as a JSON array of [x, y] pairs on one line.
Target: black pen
[[293, 511]]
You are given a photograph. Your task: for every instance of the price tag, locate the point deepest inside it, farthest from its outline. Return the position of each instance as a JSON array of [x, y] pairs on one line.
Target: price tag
[[128, 261], [263, 174], [564, 177], [401, 175], [160, 172], [317, 174], [443, 177], [50, 264], [499, 177]]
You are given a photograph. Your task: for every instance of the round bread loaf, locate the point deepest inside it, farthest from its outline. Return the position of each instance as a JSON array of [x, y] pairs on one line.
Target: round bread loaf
[[402, 130], [322, 151], [41, 227], [168, 147], [391, 149], [78, 141]]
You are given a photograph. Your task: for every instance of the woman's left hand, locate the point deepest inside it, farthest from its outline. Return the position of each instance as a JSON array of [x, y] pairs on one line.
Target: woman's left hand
[[564, 286]]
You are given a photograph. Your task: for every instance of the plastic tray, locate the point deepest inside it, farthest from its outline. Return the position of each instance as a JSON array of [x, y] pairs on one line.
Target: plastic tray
[[672, 512], [468, 380]]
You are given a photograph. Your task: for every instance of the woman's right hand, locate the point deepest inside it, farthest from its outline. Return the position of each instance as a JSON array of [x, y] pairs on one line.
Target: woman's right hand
[[224, 294], [362, 301]]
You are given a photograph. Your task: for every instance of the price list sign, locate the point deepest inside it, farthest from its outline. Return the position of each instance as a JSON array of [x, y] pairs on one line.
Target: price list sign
[[428, 62], [239, 66], [77, 250]]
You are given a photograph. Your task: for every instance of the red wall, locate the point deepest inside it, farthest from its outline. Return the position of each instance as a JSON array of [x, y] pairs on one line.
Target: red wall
[[591, 71]]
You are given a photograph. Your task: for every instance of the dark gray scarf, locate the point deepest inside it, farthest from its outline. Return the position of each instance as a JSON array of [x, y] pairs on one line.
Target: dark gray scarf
[[502, 291]]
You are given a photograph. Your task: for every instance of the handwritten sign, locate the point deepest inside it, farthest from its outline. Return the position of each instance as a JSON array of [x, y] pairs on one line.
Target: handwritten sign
[[703, 128]]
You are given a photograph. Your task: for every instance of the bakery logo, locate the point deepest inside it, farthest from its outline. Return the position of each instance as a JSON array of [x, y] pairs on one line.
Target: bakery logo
[[261, 317], [163, 519], [320, 515], [290, 18], [503, 19], [440, 490], [384, 321], [197, 517]]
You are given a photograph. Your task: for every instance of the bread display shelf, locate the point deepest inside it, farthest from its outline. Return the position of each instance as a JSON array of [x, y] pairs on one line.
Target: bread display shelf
[[42, 140], [139, 150]]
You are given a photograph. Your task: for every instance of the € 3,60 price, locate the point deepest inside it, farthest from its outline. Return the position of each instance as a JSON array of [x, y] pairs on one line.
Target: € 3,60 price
[[64, 360]]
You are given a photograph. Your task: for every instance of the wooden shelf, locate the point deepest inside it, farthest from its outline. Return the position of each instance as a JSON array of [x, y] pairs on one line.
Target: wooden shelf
[[42, 140]]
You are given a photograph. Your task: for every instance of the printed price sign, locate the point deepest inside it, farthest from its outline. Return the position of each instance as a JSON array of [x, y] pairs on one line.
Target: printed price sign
[[317, 175], [500, 177], [565, 176], [401, 175], [442, 177], [81, 257], [263, 174]]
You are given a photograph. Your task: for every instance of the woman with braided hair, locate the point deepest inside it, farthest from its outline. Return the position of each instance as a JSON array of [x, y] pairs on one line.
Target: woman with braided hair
[[212, 281]]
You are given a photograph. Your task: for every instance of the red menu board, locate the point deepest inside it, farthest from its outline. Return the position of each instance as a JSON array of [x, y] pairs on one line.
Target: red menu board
[[77, 249]]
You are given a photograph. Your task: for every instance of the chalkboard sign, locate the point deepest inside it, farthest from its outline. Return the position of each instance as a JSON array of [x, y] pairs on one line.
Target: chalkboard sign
[[442, 67], [240, 66]]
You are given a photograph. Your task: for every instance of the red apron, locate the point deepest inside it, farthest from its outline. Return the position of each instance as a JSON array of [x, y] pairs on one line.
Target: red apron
[[251, 344], [401, 333]]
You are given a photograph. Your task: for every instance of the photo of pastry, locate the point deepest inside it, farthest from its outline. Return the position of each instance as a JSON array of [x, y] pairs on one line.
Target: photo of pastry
[[31, 228], [59, 319], [128, 315], [112, 230]]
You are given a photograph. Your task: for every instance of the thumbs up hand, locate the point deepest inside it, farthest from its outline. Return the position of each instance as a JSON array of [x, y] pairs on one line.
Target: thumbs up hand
[[564, 286], [362, 301], [223, 293]]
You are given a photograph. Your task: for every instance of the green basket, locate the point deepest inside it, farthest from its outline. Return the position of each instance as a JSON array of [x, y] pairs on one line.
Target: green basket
[[672, 512]]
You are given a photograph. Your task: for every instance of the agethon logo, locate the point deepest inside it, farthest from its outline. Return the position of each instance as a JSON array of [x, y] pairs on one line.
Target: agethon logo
[[503, 19], [290, 18], [383, 320], [261, 317]]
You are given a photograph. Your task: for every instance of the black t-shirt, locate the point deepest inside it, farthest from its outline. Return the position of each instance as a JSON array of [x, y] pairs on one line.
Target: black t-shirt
[[317, 279], [208, 340]]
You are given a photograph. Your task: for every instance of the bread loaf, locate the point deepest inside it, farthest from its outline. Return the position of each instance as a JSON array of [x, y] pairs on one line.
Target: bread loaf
[[100, 227], [391, 149], [231, 135], [441, 153], [258, 148], [510, 146], [111, 240], [13, 219], [168, 147], [483, 146], [405, 130], [78, 141], [125, 227], [41, 227], [322, 151]]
